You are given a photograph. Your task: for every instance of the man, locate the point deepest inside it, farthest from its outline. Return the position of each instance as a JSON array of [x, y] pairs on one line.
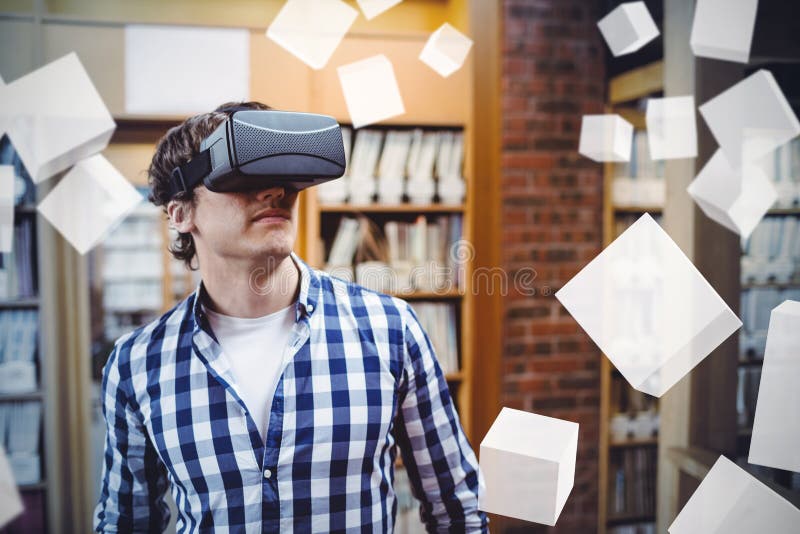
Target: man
[[275, 397]]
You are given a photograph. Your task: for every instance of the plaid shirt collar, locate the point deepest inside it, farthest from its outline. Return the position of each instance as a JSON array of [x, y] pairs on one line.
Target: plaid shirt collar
[[310, 288], [205, 342]]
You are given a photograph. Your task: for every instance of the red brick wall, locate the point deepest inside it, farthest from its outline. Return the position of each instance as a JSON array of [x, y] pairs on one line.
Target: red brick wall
[[553, 73]]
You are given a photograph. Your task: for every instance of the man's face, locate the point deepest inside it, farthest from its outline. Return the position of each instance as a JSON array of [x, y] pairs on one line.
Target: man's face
[[251, 225]]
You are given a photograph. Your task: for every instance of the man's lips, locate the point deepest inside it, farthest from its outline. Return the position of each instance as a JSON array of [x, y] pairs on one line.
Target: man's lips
[[272, 215]]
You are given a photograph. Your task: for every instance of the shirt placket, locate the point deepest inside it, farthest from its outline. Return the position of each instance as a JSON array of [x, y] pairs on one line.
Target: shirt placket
[[269, 466]]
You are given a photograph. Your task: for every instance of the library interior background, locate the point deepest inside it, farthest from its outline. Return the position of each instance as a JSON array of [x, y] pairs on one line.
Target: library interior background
[[592, 206]]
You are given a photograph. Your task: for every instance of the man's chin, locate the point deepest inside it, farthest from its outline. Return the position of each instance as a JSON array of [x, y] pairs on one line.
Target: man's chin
[[275, 252]]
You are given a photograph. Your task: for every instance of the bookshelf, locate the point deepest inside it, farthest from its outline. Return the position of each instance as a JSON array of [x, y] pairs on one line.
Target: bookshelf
[[770, 274], [698, 416], [469, 97], [629, 420], [390, 208], [24, 394]]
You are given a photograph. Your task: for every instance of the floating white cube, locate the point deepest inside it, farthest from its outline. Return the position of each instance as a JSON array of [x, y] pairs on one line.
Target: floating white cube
[[648, 308], [730, 500], [311, 30], [736, 199], [528, 465], [776, 428], [55, 117], [10, 502], [723, 29], [606, 138], [88, 202], [373, 8], [628, 28], [184, 61], [751, 119], [446, 50], [671, 127], [370, 90], [6, 208]]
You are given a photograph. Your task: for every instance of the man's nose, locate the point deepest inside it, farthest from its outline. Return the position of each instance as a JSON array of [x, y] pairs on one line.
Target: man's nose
[[274, 191]]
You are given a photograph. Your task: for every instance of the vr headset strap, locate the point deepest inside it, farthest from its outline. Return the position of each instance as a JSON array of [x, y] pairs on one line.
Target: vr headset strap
[[187, 176]]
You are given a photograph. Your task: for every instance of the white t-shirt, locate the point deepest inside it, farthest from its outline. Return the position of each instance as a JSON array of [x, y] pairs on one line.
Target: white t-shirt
[[254, 347]]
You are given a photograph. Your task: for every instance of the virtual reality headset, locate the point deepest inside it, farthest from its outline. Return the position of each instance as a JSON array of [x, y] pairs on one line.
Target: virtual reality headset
[[256, 149]]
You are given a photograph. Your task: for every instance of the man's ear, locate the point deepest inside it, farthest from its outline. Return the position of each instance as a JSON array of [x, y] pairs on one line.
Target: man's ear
[[181, 216]]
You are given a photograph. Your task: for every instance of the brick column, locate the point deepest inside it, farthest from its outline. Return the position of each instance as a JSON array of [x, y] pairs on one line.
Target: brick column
[[553, 73]]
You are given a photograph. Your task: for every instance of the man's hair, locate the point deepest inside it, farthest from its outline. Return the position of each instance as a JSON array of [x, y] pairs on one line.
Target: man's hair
[[179, 145]]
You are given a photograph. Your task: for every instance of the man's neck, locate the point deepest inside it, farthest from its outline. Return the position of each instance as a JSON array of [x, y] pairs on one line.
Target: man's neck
[[251, 290]]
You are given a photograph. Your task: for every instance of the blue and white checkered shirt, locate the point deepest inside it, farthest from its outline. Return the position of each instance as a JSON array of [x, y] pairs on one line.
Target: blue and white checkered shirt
[[360, 379]]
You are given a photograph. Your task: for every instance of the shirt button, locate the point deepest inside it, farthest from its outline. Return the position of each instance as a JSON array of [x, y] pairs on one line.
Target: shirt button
[[267, 473], [310, 308]]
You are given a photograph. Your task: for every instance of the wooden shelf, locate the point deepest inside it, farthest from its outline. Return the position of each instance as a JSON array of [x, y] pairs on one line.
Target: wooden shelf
[[770, 285], [750, 362], [19, 303], [631, 443], [693, 461], [25, 209], [391, 208], [622, 519], [638, 209], [125, 311], [20, 397], [133, 279], [429, 295], [36, 486], [637, 83], [131, 247], [784, 211]]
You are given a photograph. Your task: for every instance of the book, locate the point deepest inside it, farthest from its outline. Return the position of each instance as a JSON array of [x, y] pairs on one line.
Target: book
[[633, 483], [345, 242], [439, 321]]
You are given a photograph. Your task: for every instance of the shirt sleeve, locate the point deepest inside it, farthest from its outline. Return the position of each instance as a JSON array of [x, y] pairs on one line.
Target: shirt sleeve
[[134, 479], [441, 465]]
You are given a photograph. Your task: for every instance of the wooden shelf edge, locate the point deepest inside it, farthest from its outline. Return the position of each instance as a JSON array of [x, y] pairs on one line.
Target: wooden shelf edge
[[770, 285], [26, 209], [17, 397], [637, 83], [19, 303], [637, 209], [750, 362], [36, 486], [391, 208], [784, 211], [429, 295], [693, 461], [630, 518], [631, 443]]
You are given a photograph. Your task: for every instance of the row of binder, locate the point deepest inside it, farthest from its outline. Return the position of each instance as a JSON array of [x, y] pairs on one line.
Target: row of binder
[[20, 435]]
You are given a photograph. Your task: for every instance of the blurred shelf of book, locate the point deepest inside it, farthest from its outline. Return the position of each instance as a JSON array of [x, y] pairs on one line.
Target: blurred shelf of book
[[640, 181], [133, 280], [633, 487], [770, 274], [22, 380], [396, 223], [629, 419]]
